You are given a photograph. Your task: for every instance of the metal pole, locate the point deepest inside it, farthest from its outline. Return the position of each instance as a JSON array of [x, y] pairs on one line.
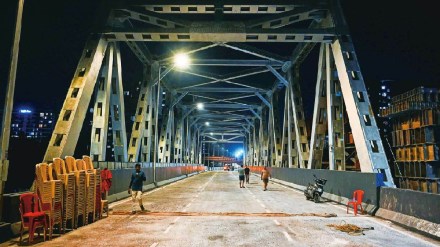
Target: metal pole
[[156, 131], [9, 104]]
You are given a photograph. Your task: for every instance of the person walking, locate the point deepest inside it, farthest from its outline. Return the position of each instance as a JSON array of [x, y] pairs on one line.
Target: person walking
[[265, 175], [135, 188], [247, 173], [241, 176]]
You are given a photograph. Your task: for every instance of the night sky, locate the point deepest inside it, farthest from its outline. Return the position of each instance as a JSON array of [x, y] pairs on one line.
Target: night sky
[[393, 41]]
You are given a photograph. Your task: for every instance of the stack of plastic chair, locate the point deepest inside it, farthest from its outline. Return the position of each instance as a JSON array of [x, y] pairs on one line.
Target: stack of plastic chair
[[50, 192], [90, 189], [68, 180], [32, 217], [98, 197], [80, 190]]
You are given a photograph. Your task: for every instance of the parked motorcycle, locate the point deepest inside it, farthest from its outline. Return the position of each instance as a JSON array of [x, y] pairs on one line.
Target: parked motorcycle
[[314, 191]]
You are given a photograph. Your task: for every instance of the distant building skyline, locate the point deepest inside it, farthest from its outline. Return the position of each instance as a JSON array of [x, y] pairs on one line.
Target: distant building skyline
[[32, 123]]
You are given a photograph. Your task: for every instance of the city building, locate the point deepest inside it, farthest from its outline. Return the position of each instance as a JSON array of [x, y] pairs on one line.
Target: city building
[[32, 124]]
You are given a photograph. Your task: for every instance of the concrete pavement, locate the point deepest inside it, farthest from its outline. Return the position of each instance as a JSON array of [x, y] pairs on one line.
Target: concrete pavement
[[211, 210]]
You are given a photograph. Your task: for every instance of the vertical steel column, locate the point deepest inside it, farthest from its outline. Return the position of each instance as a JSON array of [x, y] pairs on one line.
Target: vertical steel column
[[178, 142], [166, 136], [362, 122], [256, 155], [286, 149], [9, 105], [150, 74], [187, 141], [264, 138], [149, 126], [298, 116], [335, 116], [366, 136], [73, 112], [319, 116], [329, 93], [276, 131], [117, 110], [98, 140]]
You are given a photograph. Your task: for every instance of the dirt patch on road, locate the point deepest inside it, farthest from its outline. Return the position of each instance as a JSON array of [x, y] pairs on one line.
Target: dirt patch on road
[[216, 237], [325, 215]]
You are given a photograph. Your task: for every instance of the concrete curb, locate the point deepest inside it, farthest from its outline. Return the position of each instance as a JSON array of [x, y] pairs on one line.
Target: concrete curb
[[368, 208], [425, 227]]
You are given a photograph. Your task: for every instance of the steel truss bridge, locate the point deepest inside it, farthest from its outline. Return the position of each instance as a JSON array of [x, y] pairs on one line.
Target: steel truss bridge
[[246, 68]]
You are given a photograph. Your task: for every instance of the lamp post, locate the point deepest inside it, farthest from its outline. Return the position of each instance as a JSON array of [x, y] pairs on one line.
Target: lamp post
[[181, 61]]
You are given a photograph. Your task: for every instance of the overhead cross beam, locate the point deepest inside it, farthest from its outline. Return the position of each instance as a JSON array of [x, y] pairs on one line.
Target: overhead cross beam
[[225, 78], [287, 18], [220, 32], [235, 62], [221, 90], [245, 48]]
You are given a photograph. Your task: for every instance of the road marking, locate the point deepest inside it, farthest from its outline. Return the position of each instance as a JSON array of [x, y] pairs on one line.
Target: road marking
[[261, 204], [175, 220], [287, 236], [189, 204], [166, 231], [277, 222], [291, 230], [268, 211], [154, 245], [258, 200]]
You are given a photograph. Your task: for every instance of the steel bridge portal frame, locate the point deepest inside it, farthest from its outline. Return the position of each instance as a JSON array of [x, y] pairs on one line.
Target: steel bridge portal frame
[[182, 131]]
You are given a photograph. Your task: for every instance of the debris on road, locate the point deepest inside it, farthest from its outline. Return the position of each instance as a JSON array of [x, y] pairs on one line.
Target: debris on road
[[350, 228], [325, 215]]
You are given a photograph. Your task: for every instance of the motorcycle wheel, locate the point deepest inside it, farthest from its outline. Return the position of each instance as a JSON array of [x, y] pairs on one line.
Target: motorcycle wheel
[[316, 198]]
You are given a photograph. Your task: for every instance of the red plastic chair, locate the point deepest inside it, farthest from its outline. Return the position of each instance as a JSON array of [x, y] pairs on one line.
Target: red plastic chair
[[357, 201], [31, 215]]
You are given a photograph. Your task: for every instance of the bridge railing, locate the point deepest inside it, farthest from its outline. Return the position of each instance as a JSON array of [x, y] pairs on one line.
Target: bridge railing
[[113, 165]]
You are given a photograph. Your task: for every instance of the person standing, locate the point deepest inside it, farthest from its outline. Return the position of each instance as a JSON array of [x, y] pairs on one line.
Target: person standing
[[247, 173], [265, 175], [135, 188], [241, 176]]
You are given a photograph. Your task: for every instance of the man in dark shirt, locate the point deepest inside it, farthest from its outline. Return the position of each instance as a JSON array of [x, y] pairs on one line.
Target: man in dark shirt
[[246, 173], [135, 187]]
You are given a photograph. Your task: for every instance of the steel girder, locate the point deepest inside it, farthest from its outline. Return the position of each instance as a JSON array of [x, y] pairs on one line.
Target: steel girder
[[366, 136], [71, 119], [151, 74], [235, 62], [98, 145], [117, 110], [327, 116], [302, 144], [289, 150], [178, 142], [319, 116], [328, 26], [222, 90], [220, 32]]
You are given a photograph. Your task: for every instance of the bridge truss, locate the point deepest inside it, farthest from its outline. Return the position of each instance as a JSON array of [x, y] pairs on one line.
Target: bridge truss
[[246, 69]]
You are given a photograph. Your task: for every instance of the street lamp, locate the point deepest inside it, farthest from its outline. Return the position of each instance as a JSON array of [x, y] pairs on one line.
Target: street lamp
[[181, 61], [207, 123], [200, 106]]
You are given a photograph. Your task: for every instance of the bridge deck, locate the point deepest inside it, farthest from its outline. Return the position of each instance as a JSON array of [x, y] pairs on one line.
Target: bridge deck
[[211, 210]]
